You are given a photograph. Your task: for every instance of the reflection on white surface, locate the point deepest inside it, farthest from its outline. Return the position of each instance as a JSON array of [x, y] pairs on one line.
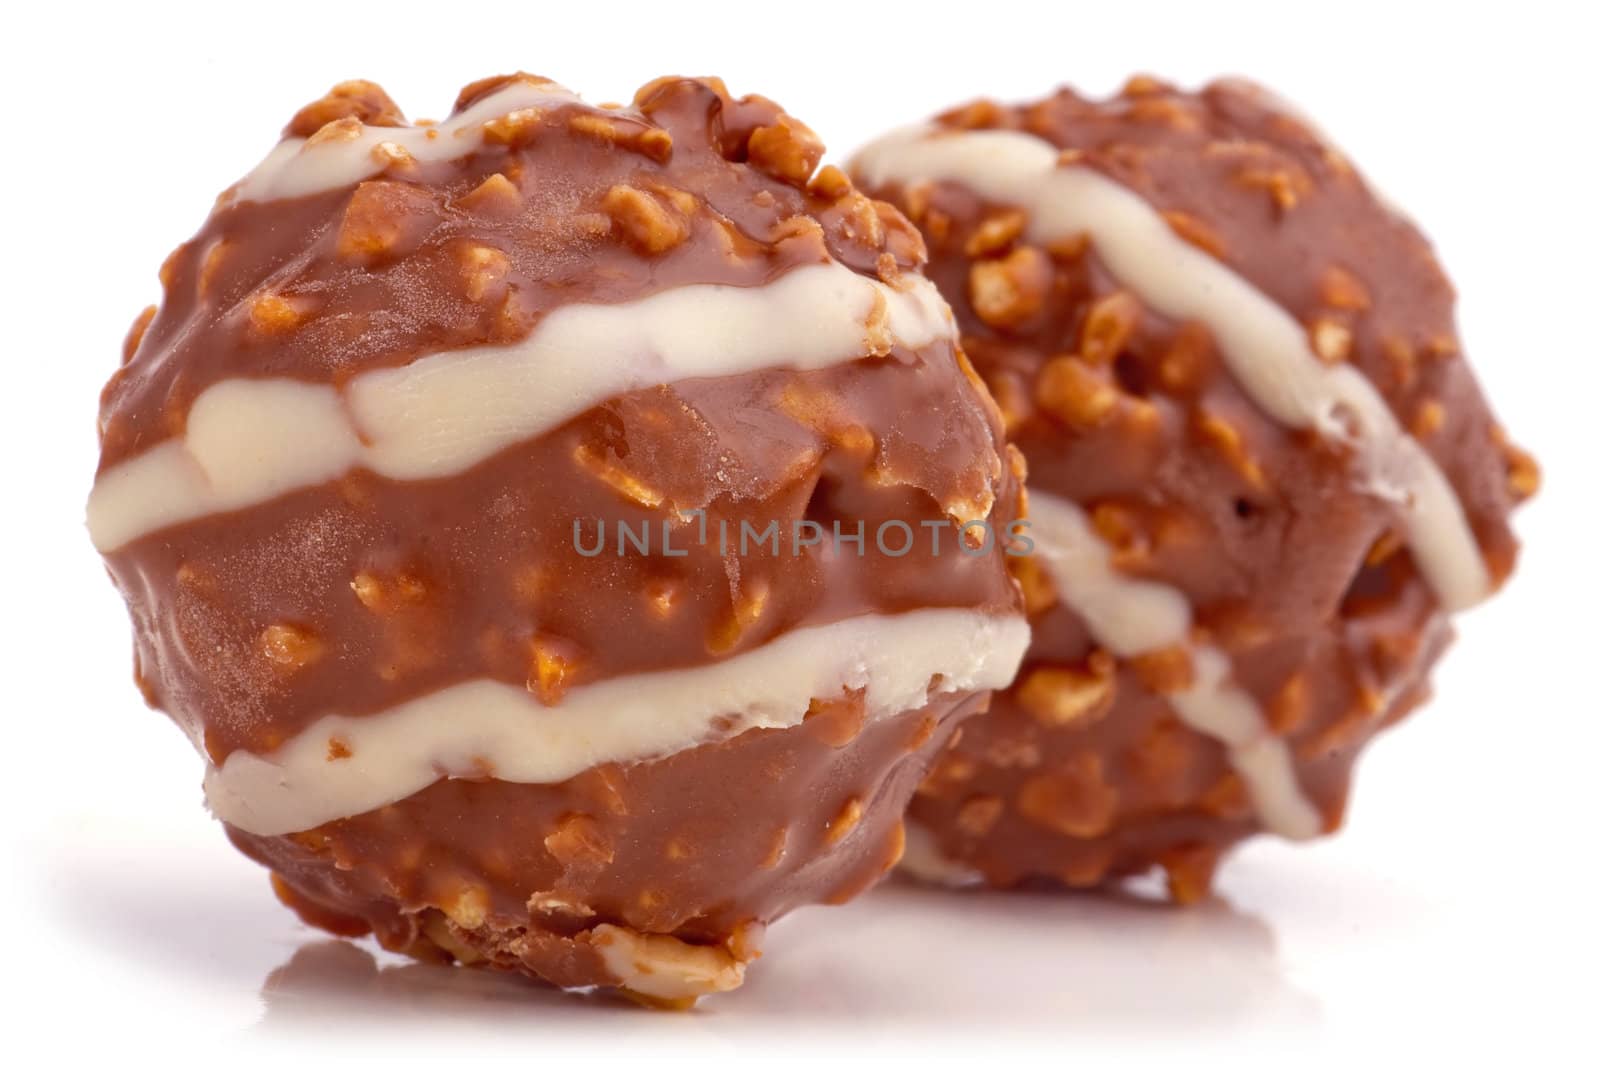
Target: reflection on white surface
[[205, 924]]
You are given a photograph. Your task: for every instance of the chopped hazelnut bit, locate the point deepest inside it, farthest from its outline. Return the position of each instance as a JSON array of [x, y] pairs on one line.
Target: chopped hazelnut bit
[[1429, 418], [1038, 592], [1068, 249], [469, 907], [1143, 85], [1107, 327], [1522, 470], [787, 150], [483, 271], [1189, 870], [345, 129], [1167, 670], [1196, 232], [385, 219], [290, 646], [1331, 340], [1289, 707], [1384, 548], [845, 822], [1011, 397], [1343, 290], [513, 128], [1186, 359], [747, 608], [978, 814], [1066, 696], [554, 664], [1402, 359], [1074, 801], [1226, 439], [663, 598], [1006, 292], [647, 224], [1075, 393], [578, 841], [839, 719], [601, 467], [496, 195], [996, 233], [1286, 187], [272, 313], [648, 141], [551, 902], [776, 850], [661, 971], [363, 101], [392, 156], [830, 183], [338, 749], [978, 114]]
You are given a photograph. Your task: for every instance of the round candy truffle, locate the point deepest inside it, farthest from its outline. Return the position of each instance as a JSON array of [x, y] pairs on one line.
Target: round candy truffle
[[1262, 475], [501, 505]]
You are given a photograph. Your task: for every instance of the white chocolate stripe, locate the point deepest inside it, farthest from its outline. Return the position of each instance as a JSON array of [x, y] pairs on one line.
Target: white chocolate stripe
[[250, 440], [1264, 347], [898, 661], [1132, 616], [300, 166]]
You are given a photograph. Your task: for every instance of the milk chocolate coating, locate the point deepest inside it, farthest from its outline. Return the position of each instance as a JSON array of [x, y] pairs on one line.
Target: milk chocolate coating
[[363, 592], [1291, 567]]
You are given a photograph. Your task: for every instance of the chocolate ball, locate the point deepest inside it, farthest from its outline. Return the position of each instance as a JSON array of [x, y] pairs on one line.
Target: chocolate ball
[[1262, 475], [534, 519]]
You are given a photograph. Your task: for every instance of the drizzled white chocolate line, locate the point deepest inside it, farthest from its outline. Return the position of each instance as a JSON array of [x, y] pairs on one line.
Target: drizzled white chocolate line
[[1132, 616], [300, 166], [1264, 347], [250, 440], [898, 661]]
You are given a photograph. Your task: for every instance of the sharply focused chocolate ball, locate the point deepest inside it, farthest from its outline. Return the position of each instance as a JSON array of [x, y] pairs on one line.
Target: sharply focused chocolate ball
[[534, 520], [1262, 475]]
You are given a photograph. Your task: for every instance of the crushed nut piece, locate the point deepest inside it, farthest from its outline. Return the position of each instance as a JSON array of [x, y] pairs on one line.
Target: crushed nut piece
[[1343, 290], [787, 150], [1067, 696], [384, 219], [1072, 391], [663, 971], [483, 271], [1110, 322], [578, 841], [274, 313], [1074, 801], [845, 822], [996, 233], [1331, 340], [978, 814], [647, 223], [838, 720], [1006, 292], [290, 646], [495, 195], [555, 662]]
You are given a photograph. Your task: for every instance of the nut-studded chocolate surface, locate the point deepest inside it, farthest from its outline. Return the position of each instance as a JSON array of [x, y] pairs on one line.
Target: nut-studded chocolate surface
[[374, 480], [1260, 471]]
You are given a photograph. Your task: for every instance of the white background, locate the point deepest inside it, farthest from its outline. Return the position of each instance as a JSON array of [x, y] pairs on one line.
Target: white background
[[1455, 913]]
